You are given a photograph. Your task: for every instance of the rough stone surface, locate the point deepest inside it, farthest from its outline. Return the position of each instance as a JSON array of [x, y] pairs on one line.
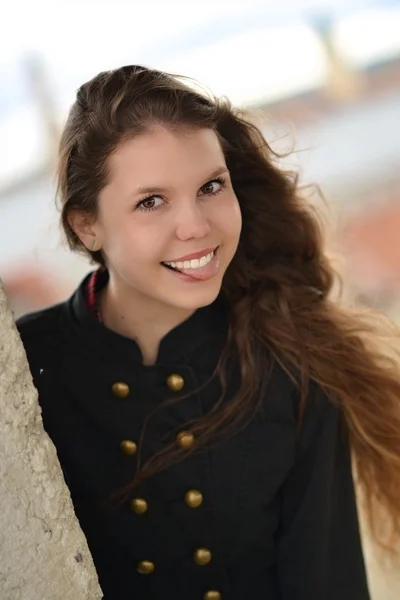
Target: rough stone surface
[[43, 552]]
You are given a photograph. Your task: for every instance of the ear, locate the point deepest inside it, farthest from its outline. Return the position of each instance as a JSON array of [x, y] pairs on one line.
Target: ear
[[84, 226]]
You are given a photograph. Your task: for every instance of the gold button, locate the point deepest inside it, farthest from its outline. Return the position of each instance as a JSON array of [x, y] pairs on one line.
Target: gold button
[[202, 556], [145, 567], [128, 447], [185, 439], [120, 390], [212, 595], [193, 498], [139, 506], [175, 382]]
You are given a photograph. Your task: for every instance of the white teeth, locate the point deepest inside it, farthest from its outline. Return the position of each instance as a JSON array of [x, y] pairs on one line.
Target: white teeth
[[195, 263]]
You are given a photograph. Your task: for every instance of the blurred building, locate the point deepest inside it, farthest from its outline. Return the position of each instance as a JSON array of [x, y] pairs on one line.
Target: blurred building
[[357, 166]]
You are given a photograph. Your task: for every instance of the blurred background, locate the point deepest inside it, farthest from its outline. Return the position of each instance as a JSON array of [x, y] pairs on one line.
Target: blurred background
[[326, 73]]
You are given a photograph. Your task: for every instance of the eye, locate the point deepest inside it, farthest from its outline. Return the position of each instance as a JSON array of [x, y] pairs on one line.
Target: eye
[[213, 187], [150, 203]]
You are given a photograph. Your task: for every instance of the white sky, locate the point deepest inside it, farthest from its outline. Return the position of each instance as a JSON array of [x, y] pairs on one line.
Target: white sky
[[250, 50]]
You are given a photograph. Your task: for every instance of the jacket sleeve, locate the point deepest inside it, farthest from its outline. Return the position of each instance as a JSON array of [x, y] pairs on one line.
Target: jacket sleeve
[[319, 546]]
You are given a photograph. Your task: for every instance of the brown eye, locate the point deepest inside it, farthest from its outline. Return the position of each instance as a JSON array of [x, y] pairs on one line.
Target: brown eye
[[209, 187], [148, 204], [213, 187]]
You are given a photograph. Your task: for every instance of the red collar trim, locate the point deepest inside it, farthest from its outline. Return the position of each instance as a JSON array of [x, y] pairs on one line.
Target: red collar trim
[[91, 291]]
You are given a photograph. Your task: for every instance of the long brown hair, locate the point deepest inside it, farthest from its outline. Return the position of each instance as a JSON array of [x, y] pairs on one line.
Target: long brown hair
[[280, 285]]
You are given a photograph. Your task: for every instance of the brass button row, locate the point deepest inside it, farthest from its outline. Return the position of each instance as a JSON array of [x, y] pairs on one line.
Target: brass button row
[[201, 556], [184, 439], [193, 499], [174, 382]]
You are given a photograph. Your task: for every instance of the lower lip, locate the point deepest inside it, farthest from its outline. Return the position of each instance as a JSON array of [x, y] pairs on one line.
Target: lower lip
[[201, 274]]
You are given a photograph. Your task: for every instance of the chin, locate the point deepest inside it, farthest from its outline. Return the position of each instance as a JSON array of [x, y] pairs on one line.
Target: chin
[[197, 298]]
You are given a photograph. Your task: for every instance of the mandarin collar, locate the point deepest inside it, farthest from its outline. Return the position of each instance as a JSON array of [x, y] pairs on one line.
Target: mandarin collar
[[206, 326]]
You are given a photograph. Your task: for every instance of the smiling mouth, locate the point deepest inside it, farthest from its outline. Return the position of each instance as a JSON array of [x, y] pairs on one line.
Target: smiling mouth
[[193, 264]]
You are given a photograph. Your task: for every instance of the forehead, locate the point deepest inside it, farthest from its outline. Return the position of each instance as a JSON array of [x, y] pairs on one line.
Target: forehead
[[162, 156]]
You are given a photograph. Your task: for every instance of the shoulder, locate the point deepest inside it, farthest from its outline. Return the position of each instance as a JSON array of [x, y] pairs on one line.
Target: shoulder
[[43, 337], [308, 393], [34, 327], [311, 406]]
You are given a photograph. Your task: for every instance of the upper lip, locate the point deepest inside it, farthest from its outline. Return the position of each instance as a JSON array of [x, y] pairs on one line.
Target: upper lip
[[197, 254]]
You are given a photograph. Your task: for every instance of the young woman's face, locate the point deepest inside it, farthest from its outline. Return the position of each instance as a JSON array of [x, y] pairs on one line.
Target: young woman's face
[[169, 221]]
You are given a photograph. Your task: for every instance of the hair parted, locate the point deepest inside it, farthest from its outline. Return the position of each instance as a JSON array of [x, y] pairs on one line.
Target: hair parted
[[279, 286]]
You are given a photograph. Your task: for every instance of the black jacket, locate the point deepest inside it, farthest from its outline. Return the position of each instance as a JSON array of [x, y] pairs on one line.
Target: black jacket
[[273, 517]]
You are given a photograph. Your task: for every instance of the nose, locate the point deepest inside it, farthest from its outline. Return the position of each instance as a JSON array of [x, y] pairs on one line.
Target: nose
[[192, 223]]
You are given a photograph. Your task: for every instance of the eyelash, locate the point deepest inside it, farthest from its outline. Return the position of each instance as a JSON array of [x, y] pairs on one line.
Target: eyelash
[[220, 180]]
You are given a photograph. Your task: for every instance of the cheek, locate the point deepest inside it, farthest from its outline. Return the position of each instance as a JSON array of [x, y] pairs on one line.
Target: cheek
[[230, 217], [143, 245]]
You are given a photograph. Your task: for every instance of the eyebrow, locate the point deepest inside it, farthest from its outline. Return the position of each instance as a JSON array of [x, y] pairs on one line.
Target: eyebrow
[[151, 189]]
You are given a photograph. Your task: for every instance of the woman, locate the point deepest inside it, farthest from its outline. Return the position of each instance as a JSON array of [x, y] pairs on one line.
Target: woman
[[202, 387]]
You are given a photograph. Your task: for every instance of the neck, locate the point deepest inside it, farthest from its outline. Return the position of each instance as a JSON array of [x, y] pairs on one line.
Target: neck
[[134, 315]]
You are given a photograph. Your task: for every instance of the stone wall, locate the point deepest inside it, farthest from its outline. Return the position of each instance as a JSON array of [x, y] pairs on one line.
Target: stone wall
[[43, 552]]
